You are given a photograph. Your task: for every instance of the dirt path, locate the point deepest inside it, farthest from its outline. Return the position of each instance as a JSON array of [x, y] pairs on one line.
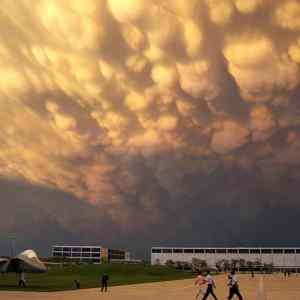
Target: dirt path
[[276, 287]]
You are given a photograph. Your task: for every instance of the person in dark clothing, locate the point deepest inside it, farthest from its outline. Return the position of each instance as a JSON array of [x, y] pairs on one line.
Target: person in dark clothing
[[22, 281], [104, 282], [233, 286], [210, 287], [77, 284]]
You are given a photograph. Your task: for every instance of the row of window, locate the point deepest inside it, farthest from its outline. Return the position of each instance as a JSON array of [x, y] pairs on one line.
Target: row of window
[[68, 254], [226, 251], [87, 259], [76, 249]]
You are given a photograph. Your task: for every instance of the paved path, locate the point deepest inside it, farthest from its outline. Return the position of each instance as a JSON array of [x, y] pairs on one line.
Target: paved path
[[276, 287]]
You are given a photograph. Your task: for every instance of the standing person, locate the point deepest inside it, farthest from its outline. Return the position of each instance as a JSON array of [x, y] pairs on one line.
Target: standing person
[[77, 284], [210, 287], [233, 286], [199, 282], [22, 281], [104, 282]]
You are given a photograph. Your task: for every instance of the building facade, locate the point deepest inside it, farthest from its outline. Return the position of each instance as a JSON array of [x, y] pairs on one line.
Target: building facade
[[89, 253], [278, 257]]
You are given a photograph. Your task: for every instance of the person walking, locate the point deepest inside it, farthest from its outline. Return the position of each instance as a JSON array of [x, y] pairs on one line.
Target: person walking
[[210, 287], [199, 282], [233, 286], [104, 282]]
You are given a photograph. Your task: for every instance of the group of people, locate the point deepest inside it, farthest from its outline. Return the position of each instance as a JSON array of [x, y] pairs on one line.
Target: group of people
[[211, 286], [104, 279], [287, 273]]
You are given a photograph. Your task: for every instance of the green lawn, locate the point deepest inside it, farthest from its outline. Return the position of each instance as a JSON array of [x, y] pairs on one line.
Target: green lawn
[[60, 278]]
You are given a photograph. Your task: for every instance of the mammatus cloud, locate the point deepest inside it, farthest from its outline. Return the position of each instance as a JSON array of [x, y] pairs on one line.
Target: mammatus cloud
[[129, 103]]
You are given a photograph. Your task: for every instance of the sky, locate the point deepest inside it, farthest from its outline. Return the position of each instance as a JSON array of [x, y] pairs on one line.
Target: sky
[[139, 123]]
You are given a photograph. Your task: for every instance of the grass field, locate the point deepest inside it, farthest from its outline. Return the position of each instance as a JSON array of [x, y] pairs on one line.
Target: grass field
[[276, 287], [62, 278]]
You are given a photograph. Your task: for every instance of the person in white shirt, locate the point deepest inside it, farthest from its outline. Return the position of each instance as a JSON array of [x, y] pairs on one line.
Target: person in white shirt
[[233, 286], [210, 287]]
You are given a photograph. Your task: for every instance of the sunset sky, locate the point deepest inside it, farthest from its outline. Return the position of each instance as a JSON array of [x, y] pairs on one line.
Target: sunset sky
[[132, 123]]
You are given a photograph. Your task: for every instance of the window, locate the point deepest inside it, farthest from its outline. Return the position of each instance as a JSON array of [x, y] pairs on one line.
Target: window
[[223, 251], [166, 250], [76, 249], [277, 251], [67, 249], [116, 252], [57, 254], [177, 250], [199, 250], [86, 249], [210, 250], [86, 254], [266, 251], [156, 250], [95, 249], [244, 251], [57, 249], [188, 250], [66, 254], [232, 251], [297, 251], [255, 251], [289, 251]]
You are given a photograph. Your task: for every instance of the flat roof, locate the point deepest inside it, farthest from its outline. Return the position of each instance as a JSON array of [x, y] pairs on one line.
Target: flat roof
[[77, 246], [225, 247]]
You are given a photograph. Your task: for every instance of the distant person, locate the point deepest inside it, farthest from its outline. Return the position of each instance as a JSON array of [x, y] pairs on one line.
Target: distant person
[[104, 282], [77, 284], [210, 287], [252, 274], [233, 286], [22, 281], [199, 282]]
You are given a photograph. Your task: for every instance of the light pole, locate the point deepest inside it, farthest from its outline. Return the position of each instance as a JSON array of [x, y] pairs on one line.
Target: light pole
[[13, 245]]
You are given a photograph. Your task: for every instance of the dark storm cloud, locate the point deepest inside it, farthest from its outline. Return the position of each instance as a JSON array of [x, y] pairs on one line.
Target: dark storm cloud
[[151, 114]]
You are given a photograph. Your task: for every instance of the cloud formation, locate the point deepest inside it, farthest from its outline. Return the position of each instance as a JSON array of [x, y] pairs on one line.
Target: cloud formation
[[128, 103]]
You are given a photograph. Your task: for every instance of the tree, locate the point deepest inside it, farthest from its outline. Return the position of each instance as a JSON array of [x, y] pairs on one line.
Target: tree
[[249, 264], [242, 263], [103, 260], [220, 265], [199, 264], [234, 263], [170, 263], [226, 265]]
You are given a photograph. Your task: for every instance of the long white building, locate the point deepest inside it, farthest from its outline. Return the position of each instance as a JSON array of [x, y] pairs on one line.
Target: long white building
[[279, 257]]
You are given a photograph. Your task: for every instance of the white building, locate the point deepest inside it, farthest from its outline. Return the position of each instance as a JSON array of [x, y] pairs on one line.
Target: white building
[[279, 257]]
